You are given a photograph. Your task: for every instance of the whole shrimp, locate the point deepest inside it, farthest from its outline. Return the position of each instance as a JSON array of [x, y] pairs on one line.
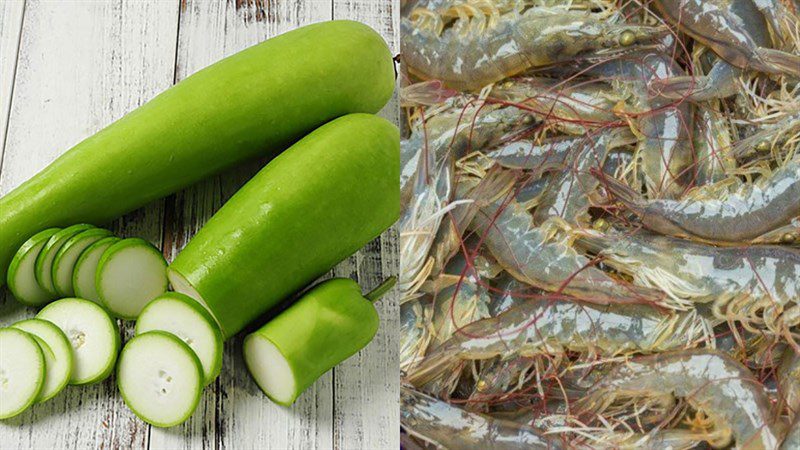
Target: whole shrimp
[[470, 45], [729, 212], [734, 29], [552, 153], [756, 285], [665, 149], [451, 427], [542, 257], [542, 326], [710, 381]]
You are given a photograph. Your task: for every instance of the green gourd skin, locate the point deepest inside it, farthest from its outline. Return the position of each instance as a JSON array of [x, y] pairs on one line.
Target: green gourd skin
[[254, 103], [330, 323], [312, 206]]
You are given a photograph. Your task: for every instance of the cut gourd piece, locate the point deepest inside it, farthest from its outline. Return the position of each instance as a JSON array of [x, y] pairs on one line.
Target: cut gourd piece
[[160, 378], [22, 371], [44, 262], [92, 333], [22, 271], [57, 353], [185, 318], [130, 273], [67, 256], [86, 268]]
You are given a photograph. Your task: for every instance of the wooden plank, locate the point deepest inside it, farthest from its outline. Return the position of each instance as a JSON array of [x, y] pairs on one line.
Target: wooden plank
[[367, 386], [82, 65], [11, 13], [235, 413]]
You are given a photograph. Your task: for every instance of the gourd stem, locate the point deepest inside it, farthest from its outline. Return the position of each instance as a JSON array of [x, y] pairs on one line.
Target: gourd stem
[[375, 294]]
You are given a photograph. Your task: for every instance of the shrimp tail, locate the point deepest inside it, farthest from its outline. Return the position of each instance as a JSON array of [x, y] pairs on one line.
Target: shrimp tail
[[621, 192], [775, 61]]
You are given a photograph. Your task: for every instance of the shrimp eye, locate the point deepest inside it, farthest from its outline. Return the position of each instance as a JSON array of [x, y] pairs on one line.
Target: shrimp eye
[[600, 225], [787, 238], [627, 38], [763, 146]]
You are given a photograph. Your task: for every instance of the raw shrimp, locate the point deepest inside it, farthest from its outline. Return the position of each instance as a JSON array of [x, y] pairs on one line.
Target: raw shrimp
[[553, 153], [665, 149], [729, 212], [471, 45], [451, 427], [710, 381], [757, 285], [542, 257], [734, 29], [543, 326]]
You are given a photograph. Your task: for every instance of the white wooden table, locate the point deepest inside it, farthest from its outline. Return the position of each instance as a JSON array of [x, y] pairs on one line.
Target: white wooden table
[[68, 68]]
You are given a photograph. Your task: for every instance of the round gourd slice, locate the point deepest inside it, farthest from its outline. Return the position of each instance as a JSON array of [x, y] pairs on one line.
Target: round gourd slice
[[21, 276], [57, 352], [160, 378], [130, 273], [185, 318], [22, 371], [93, 334]]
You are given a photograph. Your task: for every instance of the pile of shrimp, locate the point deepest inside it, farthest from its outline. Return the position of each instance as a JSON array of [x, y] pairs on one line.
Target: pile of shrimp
[[600, 230]]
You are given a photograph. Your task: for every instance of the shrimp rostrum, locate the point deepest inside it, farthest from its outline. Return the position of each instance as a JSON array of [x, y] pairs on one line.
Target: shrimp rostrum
[[472, 44]]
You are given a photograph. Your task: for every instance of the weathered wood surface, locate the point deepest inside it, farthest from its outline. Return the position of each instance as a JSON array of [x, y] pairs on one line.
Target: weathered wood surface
[[69, 68]]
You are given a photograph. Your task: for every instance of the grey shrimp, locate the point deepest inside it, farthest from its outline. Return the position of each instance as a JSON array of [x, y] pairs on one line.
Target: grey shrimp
[[758, 285], [484, 45], [544, 326], [724, 213], [710, 381]]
